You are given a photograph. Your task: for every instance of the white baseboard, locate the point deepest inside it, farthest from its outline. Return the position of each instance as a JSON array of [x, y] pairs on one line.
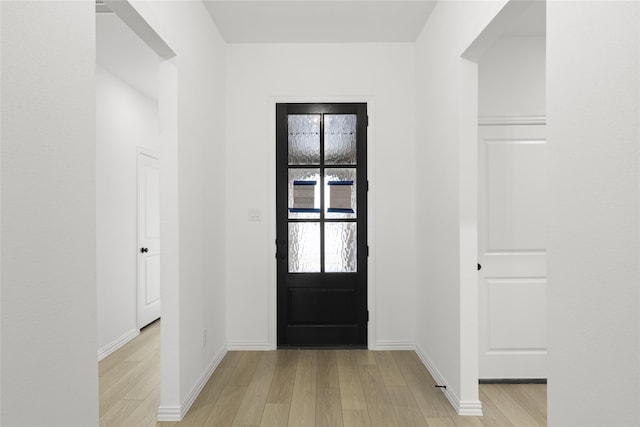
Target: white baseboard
[[249, 346], [117, 343], [471, 408], [169, 413], [176, 413], [395, 345]]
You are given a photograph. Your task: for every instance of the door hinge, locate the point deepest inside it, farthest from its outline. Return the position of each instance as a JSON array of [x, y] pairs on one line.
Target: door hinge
[[367, 250], [367, 120], [367, 315], [367, 186]]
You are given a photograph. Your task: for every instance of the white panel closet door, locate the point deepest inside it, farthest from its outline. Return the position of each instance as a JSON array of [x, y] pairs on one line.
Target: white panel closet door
[[512, 196], [148, 239]]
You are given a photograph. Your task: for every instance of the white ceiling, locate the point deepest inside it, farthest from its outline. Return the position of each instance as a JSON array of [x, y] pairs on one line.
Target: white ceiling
[[319, 21], [120, 51], [125, 55]]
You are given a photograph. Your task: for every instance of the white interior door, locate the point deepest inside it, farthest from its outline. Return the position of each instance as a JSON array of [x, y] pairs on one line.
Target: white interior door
[[512, 195], [148, 239]]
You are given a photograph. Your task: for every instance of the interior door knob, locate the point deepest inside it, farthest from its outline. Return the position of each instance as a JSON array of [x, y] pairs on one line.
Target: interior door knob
[[479, 267], [144, 250]]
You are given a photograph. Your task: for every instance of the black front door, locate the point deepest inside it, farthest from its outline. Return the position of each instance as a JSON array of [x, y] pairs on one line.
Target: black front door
[[321, 203]]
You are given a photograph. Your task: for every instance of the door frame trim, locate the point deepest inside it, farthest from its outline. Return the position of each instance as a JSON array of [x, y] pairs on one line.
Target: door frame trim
[[468, 121], [271, 211]]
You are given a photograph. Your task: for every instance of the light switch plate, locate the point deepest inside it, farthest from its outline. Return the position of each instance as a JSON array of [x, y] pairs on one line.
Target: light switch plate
[[255, 214]]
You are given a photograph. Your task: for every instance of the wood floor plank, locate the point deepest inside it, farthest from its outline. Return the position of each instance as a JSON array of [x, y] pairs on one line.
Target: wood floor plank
[[244, 369], [466, 421], [364, 357], [303, 402], [538, 392], [351, 393], [146, 413], [147, 383], [285, 371], [533, 398], [327, 369], [305, 388], [275, 415], [226, 407], [491, 414], [111, 396], [440, 422], [381, 411], [444, 404], [421, 388], [389, 369], [255, 398], [148, 336], [144, 350], [413, 356], [406, 409], [328, 407], [231, 359], [204, 403], [212, 389], [111, 363], [509, 407], [119, 412], [356, 418], [115, 375]]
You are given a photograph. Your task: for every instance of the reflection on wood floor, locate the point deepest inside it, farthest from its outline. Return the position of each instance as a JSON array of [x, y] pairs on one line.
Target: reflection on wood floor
[[299, 388]]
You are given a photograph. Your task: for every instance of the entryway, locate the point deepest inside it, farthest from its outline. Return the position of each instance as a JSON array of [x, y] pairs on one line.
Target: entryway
[[149, 305], [321, 205]]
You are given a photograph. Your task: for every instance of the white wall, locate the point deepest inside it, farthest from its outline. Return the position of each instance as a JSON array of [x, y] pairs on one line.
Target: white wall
[[49, 366], [0, 219], [593, 94], [125, 120], [511, 78], [443, 321], [258, 75], [197, 292]]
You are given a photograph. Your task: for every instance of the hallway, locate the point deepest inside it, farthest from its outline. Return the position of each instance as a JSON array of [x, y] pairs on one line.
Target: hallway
[[305, 388]]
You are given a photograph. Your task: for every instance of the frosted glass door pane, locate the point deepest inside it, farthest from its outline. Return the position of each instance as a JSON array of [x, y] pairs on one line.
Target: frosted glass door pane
[[304, 175], [304, 247], [340, 247], [340, 139], [304, 139], [344, 174]]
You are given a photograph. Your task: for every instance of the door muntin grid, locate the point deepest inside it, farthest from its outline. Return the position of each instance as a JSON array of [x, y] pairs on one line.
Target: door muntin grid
[[322, 149]]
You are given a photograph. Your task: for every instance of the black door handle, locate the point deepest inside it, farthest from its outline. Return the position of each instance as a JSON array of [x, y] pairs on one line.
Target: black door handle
[[144, 250], [479, 267]]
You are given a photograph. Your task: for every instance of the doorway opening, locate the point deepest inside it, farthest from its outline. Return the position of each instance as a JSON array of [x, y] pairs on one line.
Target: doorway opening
[[135, 120], [512, 200], [127, 188], [321, 211]]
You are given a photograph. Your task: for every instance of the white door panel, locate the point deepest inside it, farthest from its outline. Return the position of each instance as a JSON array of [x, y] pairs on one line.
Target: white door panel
[[148, 239], [516, 191], [514, 264], [514, 314], [512, 191]]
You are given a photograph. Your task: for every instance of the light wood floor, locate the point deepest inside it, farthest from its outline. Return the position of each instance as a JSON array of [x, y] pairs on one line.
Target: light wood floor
[[300, 388]]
